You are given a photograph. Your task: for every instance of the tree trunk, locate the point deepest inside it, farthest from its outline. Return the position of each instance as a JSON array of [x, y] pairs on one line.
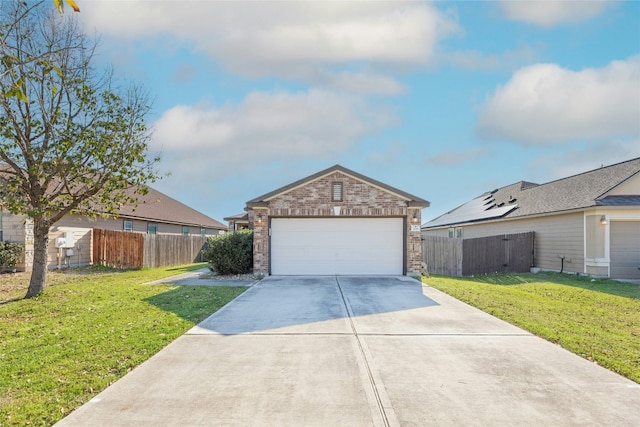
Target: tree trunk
[[39, 272]]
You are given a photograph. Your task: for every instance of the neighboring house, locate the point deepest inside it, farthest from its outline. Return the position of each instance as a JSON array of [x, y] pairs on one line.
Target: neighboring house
[[238, 222], [336, 222], [155, 213], [587, 223]]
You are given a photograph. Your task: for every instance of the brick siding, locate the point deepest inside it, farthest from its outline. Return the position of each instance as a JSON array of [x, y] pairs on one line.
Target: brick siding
[[359, 199]]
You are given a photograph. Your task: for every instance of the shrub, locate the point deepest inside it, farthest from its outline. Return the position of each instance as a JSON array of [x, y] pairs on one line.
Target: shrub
[[230, 253], [10, 254]]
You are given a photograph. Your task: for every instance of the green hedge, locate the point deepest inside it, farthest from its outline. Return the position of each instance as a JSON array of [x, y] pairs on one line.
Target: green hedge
[[10, 254], [230, 253]]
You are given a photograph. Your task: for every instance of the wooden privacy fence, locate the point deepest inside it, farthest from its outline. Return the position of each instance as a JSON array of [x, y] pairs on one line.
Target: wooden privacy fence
[[164, 250], [506, 253], [122, 249], [442, 255], [117, 249]]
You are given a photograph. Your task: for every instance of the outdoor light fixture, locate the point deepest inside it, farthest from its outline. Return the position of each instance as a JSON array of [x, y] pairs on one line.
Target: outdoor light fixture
[[604, 220], [414, 217], [260, 218]]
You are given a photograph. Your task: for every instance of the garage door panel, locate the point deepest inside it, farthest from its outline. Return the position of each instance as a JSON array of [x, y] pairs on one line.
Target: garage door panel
[[337, 246], [625, 249]]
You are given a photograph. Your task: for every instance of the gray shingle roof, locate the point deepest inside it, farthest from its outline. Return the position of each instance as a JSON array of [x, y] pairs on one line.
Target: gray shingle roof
[[619, 201], [240, 216], [157, 206], [580, 191]]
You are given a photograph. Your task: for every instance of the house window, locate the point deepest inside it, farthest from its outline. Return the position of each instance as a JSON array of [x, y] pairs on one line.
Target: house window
[[203, 231], [127, 225], [451, 231], [152, 228], [459, 233], [185, 230], [336, 192]]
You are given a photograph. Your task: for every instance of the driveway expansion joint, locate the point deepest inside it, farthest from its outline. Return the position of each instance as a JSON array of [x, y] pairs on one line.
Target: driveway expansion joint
[[386, 411]]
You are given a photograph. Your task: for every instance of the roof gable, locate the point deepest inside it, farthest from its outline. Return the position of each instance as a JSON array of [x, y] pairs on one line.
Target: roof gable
[[579, 191], [265, 198], [627, 187]]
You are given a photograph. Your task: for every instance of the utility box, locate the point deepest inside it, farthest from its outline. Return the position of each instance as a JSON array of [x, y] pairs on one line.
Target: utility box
[[61, 242], [67, 240]]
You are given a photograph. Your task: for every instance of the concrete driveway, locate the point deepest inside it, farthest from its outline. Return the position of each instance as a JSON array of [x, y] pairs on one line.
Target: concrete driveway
[[360, 351]]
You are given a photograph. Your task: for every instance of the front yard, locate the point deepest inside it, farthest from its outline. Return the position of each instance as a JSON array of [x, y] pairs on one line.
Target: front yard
[[89, 328], [596, 319], [92, 326]]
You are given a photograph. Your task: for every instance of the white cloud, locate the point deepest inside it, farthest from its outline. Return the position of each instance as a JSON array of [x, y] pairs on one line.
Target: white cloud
[[546, 104], [550, 13], [200, 140], [290, 39], [580, 159]]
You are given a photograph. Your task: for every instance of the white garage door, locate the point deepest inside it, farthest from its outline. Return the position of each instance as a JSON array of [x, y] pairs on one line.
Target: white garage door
[[337, 246], [625, 249]]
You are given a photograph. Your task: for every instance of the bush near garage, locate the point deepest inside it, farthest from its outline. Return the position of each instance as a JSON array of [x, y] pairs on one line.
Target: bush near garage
[[10, 254], [230, 253]]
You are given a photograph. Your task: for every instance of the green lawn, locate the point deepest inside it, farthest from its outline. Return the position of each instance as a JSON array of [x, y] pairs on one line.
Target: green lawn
[[89, 328], [596, 319]]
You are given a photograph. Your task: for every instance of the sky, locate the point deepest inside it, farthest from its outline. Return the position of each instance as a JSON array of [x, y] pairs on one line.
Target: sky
[[444, 100]]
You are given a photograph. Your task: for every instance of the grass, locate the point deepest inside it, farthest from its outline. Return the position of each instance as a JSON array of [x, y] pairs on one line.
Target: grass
[[89, 328], [596, 319]]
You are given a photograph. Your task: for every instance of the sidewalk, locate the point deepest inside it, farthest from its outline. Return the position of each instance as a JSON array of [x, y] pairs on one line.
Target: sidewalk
[[194, 278]]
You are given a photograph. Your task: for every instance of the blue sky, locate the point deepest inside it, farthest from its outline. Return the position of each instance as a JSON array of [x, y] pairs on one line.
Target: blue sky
[[444, 100]]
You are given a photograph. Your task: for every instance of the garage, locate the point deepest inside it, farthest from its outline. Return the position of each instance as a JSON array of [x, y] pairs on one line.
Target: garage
[[625, 249], [336, 221], [327, 246]]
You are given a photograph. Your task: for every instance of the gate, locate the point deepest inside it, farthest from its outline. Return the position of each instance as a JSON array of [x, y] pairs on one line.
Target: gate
[[508, 253]]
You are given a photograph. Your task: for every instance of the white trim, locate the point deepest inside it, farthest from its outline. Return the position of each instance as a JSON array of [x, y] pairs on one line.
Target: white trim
[[584, 243], [597, 262], [607, 246]]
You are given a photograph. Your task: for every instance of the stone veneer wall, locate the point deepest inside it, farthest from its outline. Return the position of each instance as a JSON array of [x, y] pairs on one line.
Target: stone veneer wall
[[19, 229], [359, 199], [260, 240]]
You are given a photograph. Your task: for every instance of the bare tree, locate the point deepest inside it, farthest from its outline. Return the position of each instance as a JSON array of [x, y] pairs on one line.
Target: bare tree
[[71, 140]]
